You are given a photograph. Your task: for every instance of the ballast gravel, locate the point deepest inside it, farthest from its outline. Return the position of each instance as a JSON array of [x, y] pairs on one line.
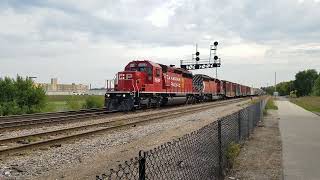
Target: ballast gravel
[[84, 158]]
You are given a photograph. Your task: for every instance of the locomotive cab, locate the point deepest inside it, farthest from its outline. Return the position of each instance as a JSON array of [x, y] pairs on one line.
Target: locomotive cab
[[145, 76], [137, 77]]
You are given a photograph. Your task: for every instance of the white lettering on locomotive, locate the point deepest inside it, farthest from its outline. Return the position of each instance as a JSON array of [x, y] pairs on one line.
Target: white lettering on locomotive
[[172, 78], [173, 84], [122, 76], [157, 80], [129, 76]]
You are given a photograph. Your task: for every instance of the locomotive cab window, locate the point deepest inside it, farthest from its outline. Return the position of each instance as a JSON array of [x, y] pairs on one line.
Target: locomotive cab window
[[148, 70]]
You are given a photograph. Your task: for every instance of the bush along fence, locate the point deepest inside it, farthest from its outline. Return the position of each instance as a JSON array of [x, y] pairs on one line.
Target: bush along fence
[[203, 154]]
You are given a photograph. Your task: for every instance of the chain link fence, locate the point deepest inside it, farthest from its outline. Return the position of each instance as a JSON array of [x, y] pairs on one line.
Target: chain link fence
[[201, 154]]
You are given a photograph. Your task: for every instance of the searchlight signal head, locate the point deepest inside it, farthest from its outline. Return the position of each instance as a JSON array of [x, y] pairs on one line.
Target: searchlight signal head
[[197, 56]]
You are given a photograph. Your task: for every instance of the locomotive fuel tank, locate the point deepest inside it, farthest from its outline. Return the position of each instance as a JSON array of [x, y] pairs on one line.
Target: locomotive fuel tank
[[175, 101]]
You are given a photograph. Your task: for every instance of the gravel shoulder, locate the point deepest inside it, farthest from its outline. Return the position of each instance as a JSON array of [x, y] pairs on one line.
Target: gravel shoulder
[[261, 155], [88, 157]]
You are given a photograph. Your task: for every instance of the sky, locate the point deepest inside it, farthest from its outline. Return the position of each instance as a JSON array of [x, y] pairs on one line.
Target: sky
[[88, 42]]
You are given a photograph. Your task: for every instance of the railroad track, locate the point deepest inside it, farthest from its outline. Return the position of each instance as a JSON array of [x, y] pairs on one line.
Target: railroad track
[[7, 123], [19, 143]]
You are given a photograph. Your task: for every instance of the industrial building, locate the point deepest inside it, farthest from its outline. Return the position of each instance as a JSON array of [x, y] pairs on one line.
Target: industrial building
[[54, 88]]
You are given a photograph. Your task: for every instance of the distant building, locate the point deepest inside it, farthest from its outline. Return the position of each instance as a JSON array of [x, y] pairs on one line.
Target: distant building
[[63, 89], [97, 91]]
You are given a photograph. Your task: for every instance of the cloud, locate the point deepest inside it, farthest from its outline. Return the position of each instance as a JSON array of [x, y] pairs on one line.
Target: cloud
[[52, 38]]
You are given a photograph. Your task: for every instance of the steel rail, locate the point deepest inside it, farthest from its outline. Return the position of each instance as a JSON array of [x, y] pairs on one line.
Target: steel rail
[[49, 114]]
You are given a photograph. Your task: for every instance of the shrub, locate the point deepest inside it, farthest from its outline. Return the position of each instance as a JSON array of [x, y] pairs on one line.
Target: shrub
[[93, 102], [19, 96]]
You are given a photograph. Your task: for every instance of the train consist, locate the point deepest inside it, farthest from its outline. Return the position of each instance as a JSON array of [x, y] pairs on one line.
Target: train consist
[[145, 84]]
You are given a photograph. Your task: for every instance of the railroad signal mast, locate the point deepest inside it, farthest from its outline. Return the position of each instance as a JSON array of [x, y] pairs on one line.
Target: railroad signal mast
[[196, 63]]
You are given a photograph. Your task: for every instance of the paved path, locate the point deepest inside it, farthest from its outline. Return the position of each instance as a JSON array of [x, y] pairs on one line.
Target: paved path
[[300, 132]]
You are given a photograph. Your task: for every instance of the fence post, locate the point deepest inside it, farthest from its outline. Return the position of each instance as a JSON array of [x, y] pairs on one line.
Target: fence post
[[239, 124], [249, 114], [261, 110], [220, 149], [142, 165]]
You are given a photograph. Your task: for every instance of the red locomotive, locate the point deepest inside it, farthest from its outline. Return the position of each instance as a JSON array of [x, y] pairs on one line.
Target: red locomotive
[[148, 84]]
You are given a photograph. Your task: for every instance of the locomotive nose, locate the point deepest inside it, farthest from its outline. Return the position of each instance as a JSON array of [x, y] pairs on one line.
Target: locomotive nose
[[129, 81]]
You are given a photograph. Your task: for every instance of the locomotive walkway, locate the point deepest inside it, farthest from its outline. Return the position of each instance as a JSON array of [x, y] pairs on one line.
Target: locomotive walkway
[[300, 140]]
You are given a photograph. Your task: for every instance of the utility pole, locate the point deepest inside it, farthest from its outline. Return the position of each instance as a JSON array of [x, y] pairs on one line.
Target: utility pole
[[275, 81], [216, 72]]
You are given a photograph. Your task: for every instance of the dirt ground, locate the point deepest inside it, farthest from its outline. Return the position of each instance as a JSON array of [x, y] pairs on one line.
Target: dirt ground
[[261, 156]]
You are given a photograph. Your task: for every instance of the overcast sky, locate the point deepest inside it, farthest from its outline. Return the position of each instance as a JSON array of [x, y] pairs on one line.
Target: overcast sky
[[87, 42]]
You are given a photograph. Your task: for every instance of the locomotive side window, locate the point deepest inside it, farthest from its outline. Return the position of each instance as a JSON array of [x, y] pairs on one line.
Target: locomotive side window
[[149, 70], [158, 72]]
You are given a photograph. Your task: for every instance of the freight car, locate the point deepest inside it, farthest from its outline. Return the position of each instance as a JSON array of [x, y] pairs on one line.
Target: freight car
[[145, 84]]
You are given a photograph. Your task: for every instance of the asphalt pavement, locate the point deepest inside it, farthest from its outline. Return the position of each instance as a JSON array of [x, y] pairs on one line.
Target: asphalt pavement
[[300, 134]]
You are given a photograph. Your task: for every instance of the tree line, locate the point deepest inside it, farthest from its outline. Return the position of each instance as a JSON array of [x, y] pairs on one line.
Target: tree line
[[306, 83]]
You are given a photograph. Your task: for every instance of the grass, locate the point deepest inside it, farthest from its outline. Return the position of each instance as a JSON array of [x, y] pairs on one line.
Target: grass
[[55, 106], [57, 103], [310, 103], [270, 105]]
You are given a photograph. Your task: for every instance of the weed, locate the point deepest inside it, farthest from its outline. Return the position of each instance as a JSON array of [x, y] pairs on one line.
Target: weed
[[233, 151], [32, 139]]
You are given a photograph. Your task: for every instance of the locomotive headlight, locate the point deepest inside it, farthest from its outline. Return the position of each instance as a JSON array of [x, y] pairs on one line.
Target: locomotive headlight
[[123, 95], [108, 95]]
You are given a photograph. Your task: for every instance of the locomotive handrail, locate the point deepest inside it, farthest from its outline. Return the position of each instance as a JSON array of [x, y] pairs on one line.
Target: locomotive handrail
[[134, 88], [137, 88]]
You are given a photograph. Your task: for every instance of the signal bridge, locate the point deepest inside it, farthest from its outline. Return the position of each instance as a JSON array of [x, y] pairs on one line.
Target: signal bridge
[[196, 63], [201, 64]]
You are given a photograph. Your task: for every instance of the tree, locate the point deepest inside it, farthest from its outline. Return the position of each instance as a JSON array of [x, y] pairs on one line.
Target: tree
[[316, 87], [19, 96], [304, 81], [284, 88], [269, 90]]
